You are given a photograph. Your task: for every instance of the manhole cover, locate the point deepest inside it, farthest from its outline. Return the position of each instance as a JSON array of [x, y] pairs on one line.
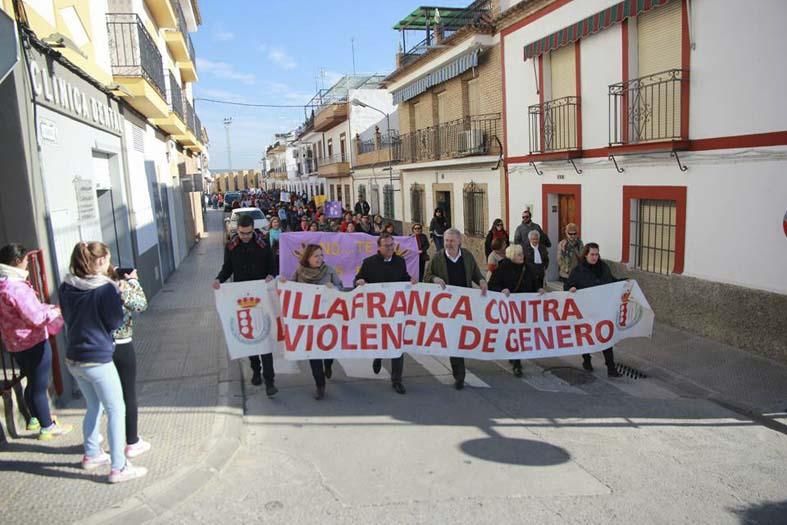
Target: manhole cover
[[571, 375]]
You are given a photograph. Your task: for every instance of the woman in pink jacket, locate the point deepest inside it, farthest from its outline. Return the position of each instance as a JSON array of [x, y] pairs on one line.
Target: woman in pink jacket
[[25, 326]]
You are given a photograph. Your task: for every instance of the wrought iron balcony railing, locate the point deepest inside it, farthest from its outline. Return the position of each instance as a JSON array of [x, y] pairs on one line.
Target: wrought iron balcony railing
[[188, 111], [336, 158], [473, 135], [648, 109], [133, 52], [175, 97], [197, 127], [184, 29], [553, 125]]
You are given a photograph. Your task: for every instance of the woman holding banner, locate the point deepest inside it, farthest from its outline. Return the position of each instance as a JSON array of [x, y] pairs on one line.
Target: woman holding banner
[[592, 271], [512, 275], [313, 270]]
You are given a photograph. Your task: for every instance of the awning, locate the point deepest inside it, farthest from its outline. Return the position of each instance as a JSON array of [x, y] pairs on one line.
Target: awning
[[591, 25], [424, 18], [453, 69]]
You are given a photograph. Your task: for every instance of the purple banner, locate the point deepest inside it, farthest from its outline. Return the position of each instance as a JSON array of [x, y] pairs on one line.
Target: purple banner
[[344, 251]]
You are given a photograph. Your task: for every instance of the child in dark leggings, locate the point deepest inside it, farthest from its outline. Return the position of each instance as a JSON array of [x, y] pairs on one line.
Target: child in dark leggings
[[125, 359], [25, 326]]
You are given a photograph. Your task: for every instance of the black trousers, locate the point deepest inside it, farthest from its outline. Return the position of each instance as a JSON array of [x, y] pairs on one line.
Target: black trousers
[[516, 363], [609, 357], [458, 368], [125, 360], [397, 368], [318, 370], [267, 366]]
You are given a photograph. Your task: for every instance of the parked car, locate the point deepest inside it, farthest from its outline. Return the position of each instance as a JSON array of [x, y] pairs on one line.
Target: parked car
[[229, 198], [231, 222]]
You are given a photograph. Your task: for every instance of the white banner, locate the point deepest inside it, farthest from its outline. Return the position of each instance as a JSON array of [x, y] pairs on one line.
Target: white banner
[[384, 320]]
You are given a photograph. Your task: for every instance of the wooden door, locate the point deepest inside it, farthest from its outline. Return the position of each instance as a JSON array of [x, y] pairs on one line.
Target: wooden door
[[566, 208]]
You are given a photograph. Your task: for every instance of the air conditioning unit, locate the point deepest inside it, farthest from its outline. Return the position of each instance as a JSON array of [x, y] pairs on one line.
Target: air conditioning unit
[[471, 142]]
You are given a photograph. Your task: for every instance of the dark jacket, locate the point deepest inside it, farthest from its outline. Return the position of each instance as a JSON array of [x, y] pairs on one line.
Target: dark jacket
[[530, 256], [247, 261], [516, 278], [490, 237], [586, 276], [362, 207], [437, 226], [520, 235], [374, 269], [438, 267], [91, 316], [423, 245]]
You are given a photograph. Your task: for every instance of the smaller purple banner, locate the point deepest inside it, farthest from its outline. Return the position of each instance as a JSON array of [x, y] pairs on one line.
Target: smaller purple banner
[[333, 210], [344, 251]]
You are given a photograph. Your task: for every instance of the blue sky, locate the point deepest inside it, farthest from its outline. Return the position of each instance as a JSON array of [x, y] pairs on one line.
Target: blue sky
[[273, 52]]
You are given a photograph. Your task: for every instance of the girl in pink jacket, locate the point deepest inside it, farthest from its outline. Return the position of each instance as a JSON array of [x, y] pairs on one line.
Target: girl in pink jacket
[[25, 326]]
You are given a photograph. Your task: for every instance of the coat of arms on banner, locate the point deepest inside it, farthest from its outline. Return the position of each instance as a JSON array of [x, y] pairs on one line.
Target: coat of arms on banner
[[630, 311], [250, 325]]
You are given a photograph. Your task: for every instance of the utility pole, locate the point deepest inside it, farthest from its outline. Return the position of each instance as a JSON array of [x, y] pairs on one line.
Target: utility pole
[[352, 45], [227, 124]]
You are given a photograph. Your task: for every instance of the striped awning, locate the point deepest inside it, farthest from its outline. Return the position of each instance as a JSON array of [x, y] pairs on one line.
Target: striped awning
[[453, 69], [590, 25]]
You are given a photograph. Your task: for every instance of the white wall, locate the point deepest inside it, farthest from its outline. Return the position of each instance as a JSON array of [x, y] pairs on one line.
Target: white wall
[[601, 65], [734, 209], [738, 68]]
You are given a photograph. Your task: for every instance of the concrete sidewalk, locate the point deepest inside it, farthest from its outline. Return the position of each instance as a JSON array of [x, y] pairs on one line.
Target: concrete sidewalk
[[190, 410]]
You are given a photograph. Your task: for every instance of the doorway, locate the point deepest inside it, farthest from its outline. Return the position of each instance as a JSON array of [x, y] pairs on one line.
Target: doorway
[[442, 200], [561, 205]]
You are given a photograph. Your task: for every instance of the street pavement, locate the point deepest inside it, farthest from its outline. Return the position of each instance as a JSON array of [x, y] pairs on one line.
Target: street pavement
[[701, 439]]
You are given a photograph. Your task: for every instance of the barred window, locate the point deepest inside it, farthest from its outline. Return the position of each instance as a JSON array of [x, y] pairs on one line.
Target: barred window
[[374, 204], [362, 192], [388, 201], [475, 206], [653, 229], [339, 192], [417, 203], [347, 198]]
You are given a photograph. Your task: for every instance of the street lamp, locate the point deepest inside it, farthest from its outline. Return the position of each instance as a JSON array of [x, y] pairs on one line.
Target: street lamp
[[359, 103], [227, 124]]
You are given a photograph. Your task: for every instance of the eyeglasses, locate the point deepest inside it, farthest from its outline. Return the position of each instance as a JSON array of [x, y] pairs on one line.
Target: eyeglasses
[[417, 228], [572, 233]]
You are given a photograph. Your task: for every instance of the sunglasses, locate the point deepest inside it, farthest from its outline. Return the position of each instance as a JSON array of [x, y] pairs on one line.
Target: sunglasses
[[572, 233], [417, 229]]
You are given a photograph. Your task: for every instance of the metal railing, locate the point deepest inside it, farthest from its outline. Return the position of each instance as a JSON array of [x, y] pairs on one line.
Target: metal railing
[[472, 135], [197, 127], [336, 158], [379, 142], [553, 125], [183, 28], [476, 14], [648, 108], [133, 52], [175, 97], [188, 112]]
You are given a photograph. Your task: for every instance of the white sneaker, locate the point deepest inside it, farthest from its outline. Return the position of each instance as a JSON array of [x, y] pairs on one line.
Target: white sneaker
[[127, 473], [94, 462], [138, 448]]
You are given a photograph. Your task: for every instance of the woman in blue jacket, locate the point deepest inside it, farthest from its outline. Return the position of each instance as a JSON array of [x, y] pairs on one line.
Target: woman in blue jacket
[[92, 308]]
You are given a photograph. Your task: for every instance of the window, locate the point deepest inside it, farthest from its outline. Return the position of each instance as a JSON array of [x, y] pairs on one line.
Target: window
[[653, 225], [362, 192], [388, 201], [442, 107], [374, 204], [333, 192], [339, 192], [473, 98], [654, 228], [330, 148], [322, 188], [343, 147], [417, 196], [475, 209], [347, 194]]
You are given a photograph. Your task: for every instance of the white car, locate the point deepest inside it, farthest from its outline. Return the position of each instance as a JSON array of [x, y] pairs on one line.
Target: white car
[[231, 222]]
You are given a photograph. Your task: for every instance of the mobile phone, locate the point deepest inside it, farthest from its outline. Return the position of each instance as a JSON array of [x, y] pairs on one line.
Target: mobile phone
[[122, 272]]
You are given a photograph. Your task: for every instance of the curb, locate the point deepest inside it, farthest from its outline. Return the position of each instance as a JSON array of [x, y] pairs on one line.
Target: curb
[[164, 495]]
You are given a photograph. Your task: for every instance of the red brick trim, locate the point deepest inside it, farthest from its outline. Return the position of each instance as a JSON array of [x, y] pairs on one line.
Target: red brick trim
[[673, 193]]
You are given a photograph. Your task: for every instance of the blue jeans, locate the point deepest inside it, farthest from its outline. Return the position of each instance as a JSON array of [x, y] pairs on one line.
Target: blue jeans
[[101, 387], [36, 364]]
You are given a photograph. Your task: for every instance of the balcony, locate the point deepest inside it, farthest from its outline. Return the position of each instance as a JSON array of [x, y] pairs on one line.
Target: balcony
[[380, 150], [330, 116], [180, 45], [136, 65], [162, 12], [648, 114], [554, 128], [175, 122], [334, 166], [469, 136]]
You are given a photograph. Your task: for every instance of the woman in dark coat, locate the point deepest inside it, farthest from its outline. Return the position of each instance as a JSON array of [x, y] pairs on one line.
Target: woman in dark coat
[[423, 248], [437, 228], [592, 271], [514, 276], [497, 231]]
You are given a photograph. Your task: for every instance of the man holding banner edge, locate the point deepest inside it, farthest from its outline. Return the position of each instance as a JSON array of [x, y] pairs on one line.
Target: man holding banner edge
[[386, 267]]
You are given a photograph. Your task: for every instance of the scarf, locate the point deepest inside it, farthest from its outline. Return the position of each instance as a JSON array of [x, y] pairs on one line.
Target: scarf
[[12, 273], [499, 234], [311, 275], [90, 282]]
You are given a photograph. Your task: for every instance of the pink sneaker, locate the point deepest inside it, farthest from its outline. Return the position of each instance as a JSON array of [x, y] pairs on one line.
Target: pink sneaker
[[94, 462], [127, 473], [138, 448]]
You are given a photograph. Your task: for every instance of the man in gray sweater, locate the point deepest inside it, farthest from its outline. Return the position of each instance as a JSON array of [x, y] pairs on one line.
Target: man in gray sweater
[[520, 236]]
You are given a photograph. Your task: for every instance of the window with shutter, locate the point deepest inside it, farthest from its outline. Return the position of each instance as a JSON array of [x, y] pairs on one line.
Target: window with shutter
[[473, 98], [560, 115]]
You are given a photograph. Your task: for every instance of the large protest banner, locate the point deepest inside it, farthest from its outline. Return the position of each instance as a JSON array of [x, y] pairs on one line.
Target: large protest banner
[[249, 314], [384, 320], [344, 251]]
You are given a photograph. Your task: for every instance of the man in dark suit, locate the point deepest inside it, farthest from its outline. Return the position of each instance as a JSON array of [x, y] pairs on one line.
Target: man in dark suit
[[536, 256], [386, 267]]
